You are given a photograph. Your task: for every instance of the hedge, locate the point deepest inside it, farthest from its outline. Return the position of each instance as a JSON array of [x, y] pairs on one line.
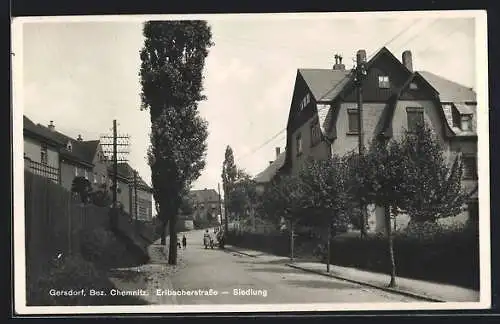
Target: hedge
[[427, 252]]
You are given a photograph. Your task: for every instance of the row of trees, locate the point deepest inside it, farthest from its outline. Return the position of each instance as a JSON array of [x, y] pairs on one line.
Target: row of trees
[[410, 175]]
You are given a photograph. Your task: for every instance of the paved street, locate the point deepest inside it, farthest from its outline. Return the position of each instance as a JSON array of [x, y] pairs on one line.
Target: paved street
[[262, 279]]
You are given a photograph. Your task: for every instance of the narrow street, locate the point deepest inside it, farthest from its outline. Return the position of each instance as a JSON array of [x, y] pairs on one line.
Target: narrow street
[[232, 278]]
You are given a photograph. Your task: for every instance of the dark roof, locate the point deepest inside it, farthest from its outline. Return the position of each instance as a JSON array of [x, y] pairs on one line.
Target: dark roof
[[449, 91], [324, 84], [126, 172], [30, 129], [271, 170], [204, 195], [82, 152]]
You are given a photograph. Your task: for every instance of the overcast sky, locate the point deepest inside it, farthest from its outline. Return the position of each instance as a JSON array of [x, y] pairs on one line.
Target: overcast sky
[[82, 75]]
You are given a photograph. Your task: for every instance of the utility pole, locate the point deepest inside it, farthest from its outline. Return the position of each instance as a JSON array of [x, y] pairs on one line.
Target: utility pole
[[360, 75], [115, 141]]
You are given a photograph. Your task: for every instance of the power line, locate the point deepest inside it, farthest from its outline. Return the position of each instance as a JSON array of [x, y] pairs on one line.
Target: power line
[[404, 30], [451, 32], [418, 34], [264, 144]]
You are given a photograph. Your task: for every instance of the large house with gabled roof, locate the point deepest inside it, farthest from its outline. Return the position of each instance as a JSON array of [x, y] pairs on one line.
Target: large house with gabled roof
[[323, 117], [46, 148]]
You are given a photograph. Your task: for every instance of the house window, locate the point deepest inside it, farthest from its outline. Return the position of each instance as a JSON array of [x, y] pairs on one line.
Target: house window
[[76, 171], [43, 154], [86, 174], [413, 86], [415, 118], [315, 133], [69, 147], [383, 82], [305, 101], [299, 144], [470, 167], [353, 121], [466, 122]]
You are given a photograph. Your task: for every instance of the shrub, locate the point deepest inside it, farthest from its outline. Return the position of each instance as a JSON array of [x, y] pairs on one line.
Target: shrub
[[426, 251], [71, 274], [101, 246]]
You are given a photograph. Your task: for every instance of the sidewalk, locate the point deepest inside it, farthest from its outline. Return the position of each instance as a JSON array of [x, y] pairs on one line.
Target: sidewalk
[[429, 291]]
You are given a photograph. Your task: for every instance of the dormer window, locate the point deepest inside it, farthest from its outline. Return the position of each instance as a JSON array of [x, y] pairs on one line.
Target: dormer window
[[69, 146], [462, 117], [383, 82], [413, 86], [466, 122], [305, 101]]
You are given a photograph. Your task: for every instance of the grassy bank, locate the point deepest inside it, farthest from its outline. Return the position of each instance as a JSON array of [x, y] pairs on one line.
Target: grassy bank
[[100, 254]]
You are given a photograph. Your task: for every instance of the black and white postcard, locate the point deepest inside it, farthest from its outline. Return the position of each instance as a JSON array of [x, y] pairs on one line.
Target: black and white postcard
[[251, 163]]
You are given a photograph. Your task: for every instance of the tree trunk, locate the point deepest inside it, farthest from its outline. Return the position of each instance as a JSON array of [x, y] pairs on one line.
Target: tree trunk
[[363, 219], [329, 238], [163, 233], [387, 215], [292, 239], [172, 251]]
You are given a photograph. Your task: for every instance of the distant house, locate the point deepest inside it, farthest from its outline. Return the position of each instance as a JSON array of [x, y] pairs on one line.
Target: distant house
[[41, 151], [127, 189], [206, 204], [323, 117], [264, 178]]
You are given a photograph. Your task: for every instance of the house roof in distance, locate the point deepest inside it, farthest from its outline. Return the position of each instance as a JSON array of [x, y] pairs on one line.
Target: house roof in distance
[[209, 195], [271, 170]]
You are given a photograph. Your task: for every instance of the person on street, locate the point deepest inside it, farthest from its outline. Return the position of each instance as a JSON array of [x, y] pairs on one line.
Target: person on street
[[184, 241]]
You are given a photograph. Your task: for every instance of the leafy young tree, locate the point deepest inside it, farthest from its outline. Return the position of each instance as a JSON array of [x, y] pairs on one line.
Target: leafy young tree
[[229, 175], [433, 186], [173, 57], [324, 184], [286, 198], [378, 177], [82, 187], [243, 195]]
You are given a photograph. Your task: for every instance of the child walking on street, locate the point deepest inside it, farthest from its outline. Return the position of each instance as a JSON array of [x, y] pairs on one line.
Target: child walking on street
[[184, 241]]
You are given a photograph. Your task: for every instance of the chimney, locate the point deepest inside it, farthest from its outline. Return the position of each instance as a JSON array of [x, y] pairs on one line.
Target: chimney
[[407, 61], [271, 162], [51, 125], [277, 152], [361, 56], [338, 63], [80, 138]]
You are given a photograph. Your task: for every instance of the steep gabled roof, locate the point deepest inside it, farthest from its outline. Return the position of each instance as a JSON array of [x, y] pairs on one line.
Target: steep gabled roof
[[449, 91], [271, 170], [81, 151], [324, 82], [384, 125]]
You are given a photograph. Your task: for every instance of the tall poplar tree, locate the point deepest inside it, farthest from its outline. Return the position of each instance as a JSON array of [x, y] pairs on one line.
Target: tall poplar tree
[[229, 176], [173, 57]]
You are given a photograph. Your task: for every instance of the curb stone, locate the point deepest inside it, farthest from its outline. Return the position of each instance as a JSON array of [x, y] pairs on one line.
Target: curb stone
[[364, 283], [239, 252]]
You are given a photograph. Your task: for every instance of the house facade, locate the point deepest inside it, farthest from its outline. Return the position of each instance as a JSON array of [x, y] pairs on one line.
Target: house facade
[[127, 189], [41, 151], [324, 113], [206, 204]]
